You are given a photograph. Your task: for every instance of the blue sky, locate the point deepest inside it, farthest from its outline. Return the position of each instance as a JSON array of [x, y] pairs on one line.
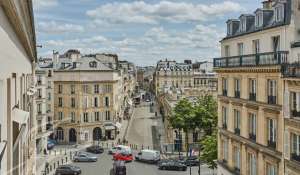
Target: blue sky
[[139, 31]]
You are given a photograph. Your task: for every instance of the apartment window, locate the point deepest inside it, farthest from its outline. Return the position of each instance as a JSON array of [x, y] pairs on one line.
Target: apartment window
[[72, 89], [97, 116], [86, 102], [276, 43], [279, 13], [237, 88], [256, 46], [107, 88], [224, 86], [85, 88], [60, 134], [240, 49], [271, 169], [225, 150], [49, 96], [106, 101], [60, 102], [96, 88], [60, 89], [227, 51], [295, 145], [73, 117], [85, 117], [252, 126], [107, 115], [294, 106], [252, 89], [73, 102], [237, 121], [60, 116], [39, 93], [229, 28], [224, 117], [259, 19], [96, 102], [243, 25], [237, 157], [272, 133], [272, 91], [252, 164]]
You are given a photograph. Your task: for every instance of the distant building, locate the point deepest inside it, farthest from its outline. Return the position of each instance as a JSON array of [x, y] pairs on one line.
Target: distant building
[[17, 88]]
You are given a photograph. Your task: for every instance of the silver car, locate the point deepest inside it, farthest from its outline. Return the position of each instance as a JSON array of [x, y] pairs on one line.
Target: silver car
[[84, 158]]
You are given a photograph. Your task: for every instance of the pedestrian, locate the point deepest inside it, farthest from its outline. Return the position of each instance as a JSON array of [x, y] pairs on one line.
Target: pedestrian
[[45, 151]]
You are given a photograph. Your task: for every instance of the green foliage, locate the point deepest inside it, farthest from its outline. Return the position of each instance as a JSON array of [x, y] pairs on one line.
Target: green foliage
[[209, 150]]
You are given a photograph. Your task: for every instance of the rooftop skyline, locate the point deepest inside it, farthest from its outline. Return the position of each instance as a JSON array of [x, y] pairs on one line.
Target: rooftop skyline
[[142, 32]]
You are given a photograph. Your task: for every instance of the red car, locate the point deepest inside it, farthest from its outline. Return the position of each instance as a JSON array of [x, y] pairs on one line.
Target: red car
[[123, 156]]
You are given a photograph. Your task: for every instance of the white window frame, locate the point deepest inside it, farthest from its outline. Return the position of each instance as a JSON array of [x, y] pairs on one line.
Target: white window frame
[[252, 83], [252, 123], [272, 87], [237, 119], [272, 130], [225, 118], [295, 144], [252, 164]]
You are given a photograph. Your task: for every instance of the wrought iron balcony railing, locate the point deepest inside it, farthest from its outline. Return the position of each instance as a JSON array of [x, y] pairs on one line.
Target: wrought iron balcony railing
[[224, 92], [252, 96], [271, 99], [295, 113], [272, 144], [252, 136], [261, 59], [237, 94], [295, 157], [291, 70], [237, 131]]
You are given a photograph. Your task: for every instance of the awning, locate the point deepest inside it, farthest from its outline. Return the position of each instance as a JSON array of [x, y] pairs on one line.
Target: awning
[[118, 125], [20, 116], [2, 149]]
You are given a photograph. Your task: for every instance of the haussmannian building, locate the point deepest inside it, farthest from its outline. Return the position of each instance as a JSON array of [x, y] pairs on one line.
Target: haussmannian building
[[251, 99]]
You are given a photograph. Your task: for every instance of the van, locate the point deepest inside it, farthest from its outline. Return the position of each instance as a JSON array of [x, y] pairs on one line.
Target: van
[[146, 155], [119, 149]]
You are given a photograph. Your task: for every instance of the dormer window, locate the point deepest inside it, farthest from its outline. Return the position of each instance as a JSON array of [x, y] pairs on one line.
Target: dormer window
[[93, 64], [229, 28], [259, 19], [279, 13], [243, 25]]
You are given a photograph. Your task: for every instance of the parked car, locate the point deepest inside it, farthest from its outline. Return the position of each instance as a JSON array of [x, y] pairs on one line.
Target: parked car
[[172, 165], [119, 168], [119, 148], [50, 145], [191, 161], [95, 149], [123, 156], [151, 156], [67, 170], [84, 158]]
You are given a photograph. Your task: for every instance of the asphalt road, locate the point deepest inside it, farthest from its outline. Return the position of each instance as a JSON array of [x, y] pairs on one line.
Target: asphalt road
[[104, 164]]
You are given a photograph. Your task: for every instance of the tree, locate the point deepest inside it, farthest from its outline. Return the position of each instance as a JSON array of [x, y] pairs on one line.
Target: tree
[[209, 150], [183, 118]]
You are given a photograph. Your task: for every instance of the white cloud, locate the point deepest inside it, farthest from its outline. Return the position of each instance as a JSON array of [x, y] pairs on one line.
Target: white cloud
[[54, 27], [41, 4], [146, 13]]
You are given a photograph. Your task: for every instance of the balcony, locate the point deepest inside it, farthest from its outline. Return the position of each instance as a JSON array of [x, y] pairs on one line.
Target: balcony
[[224, 126], [295, 113], [271, 99], [237, 131], [261, 59], [252, 136], [291, 70], [237, 94], [272, 144], [295, 157], [252, 96], [224, 92]]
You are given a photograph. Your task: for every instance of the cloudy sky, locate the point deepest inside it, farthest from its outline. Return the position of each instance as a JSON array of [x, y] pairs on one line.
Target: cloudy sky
[[141, 31]]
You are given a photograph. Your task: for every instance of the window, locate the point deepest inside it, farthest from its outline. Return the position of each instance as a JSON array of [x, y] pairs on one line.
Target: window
[[97, 116], [60, 134], [60, 116], [85, 117], [272, 133], [39, 108], [279, 13], [243, 25], [60, 102], [237, 157], [72, 89], [237, 121], [272, 91], [252, 126], [73, 117], [225, 150], [252, 164], [85, 88], [240, 49], [224, 117], [237, 86], [107, 88], [96, 89], [276, 43], [259, 19], [252, 89], [60, 89], [107, 115], [271, 169], [49, 96], [256, 46], [295, 145], [86, 102], [227, 51], [73, 102], [96, 102], [229, 28], [224, 86], [39, 91], [106, 101]]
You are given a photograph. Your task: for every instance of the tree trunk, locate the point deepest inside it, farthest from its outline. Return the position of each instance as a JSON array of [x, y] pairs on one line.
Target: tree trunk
[[187, 142]]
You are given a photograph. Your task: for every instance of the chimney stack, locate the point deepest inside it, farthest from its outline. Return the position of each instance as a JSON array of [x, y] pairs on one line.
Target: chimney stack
[[267, 4]]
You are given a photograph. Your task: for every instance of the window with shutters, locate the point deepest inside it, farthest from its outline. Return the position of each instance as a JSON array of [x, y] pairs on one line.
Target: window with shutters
[[272, 133], [252, 126]]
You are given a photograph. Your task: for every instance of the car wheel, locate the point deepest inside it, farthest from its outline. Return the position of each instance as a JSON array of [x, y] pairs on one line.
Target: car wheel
[[163, 168], [75, 173]]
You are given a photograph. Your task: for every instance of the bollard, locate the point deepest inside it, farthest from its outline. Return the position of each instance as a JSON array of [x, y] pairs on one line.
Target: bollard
[[55, 152]]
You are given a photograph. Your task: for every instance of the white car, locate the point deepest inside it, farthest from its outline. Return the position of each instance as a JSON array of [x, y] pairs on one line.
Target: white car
[[146, 155], [120, 148]]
